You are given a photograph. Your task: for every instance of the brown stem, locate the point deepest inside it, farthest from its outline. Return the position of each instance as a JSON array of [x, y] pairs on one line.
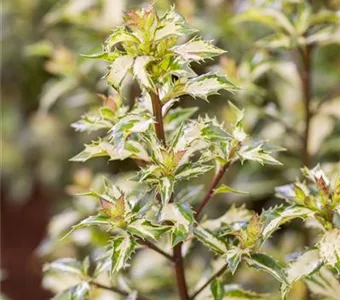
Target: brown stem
[[213, 185], [180, 276], [177, 256], [217, 274], [305, 75], [157, 112], [115, 290], [155, 248]]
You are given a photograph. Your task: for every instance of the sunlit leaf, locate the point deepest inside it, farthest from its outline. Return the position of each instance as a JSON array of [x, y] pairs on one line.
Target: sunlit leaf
[[197, 49]]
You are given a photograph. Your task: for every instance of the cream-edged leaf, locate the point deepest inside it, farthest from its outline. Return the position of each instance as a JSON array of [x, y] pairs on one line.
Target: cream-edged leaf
[[330, 247], [118, 71], [197, 49]]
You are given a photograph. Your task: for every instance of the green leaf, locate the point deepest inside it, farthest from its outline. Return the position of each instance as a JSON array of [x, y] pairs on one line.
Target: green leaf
[[217, 290], [265, 263], [146, 229], [330, 247], [196, 50], [122, 248], [224, 189], [209, 240], [118, 71], [103, 55]]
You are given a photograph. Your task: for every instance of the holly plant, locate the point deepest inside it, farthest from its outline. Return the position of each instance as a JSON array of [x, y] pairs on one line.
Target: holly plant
[[159, 206]]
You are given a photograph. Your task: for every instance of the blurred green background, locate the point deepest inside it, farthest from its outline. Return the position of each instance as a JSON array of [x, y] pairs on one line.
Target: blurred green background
[[46, 85]]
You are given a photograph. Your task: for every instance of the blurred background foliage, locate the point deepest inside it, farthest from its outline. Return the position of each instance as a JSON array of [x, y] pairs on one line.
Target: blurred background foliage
[[47, 85]]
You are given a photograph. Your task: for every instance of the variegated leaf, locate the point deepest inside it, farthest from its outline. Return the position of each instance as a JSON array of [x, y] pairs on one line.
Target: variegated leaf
[[172, 24], [140, 72], [303, 266], [265, 263], [146, 229], [209, 240], [97, 220], [119, 35], [118, 71], [197, 49], [206, 85], [235, 292], [274, 218], [330, 247], [324, 284], [122, 249], [181, 215], [65, 265]]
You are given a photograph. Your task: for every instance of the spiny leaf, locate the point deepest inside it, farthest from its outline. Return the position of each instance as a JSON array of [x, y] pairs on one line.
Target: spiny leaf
[[146, 229], [191, 170], [267, 264], [324, 284], [207, 84], [182, 217], [96, 220], [330, 247], [172, 24], [303, 266], [119, 35], [209, 240], [197, 49], [274, 218], [118, 70], [257, 153], [177, 116], [166, 188], [234, 257], [140, 72], [122, 248], [234, 216]]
